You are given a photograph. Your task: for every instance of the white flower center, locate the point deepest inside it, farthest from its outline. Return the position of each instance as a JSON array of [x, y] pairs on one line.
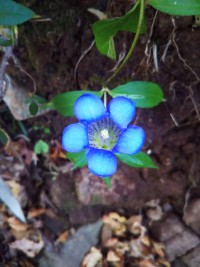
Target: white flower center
[[104, 134]]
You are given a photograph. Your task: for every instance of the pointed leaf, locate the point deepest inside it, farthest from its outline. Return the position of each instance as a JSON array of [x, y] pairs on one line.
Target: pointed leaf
[[177, 7], [111, 48], [12, 13], [79, 159], [105, 30], [144, 94], [64, 103], [107, 181], [10, 201], [138, 160], [4, 138]]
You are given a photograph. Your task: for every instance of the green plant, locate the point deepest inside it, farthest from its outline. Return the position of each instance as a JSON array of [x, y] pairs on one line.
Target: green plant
[[11, 15], [145, 94], [41, 147]]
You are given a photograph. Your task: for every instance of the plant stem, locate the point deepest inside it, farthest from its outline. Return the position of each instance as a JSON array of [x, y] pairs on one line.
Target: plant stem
[[137, 34], [105, 98]]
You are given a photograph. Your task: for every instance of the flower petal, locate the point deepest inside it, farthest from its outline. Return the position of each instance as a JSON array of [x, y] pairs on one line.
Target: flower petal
[[130, 141], [101, 162], [89, 108], [75, 137], [121, 110]]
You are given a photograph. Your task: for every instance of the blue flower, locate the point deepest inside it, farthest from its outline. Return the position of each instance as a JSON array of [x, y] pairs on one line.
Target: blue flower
[[103, 132]]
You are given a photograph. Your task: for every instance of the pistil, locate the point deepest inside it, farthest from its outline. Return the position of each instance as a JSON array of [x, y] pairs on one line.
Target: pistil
[[105, 134]]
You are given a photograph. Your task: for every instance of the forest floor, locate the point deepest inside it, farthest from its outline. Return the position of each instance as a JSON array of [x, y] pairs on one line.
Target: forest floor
[[161, 205]]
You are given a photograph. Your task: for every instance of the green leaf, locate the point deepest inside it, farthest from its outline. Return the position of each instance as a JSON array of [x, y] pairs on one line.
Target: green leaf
[[105, 30], [111, 53], [9, 200], [4, 42], [107, 181], [12, 13], [79, 159], [177, 7], [33, 108], [4, 139], [64, 103], [47, 130], [36, 98], [41, 147], [144, 94], [138, 160]]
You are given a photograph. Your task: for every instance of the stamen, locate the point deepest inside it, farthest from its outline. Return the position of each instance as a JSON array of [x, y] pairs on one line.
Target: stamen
[[104, 134]]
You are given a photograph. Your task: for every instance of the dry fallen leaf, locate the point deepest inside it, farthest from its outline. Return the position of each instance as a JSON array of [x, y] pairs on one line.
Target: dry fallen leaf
[[115, 216], [57, 152], [164, 263], [134, 226], [152, 203], [114, 259], [111, 243], [121, 248], [154, 210], [146, 263], [139, 250], [159, 249], [155, 214], [14, 187], [62, 237], [116, 222], [20, 150], [16, 225], [93, 259], [30, 248], [36, 212], [146, 241], [99, 14]]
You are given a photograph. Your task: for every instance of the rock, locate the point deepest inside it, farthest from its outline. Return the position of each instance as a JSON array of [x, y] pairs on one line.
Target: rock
[[180, 244], [62, 193], [74, 249], [91, 189], [192, 259], [179, 263], [85, 214], [191, 215], [177, 238]]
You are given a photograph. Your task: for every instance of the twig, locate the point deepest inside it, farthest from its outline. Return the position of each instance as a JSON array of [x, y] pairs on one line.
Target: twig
[[178, 52], [4, 64], [165, 51], [105, 98], [155, 57], [79, 61], [192, 99], [171, 88], [171, 115], [137, 116], [17, 63], [121, 57], [147, 48]]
